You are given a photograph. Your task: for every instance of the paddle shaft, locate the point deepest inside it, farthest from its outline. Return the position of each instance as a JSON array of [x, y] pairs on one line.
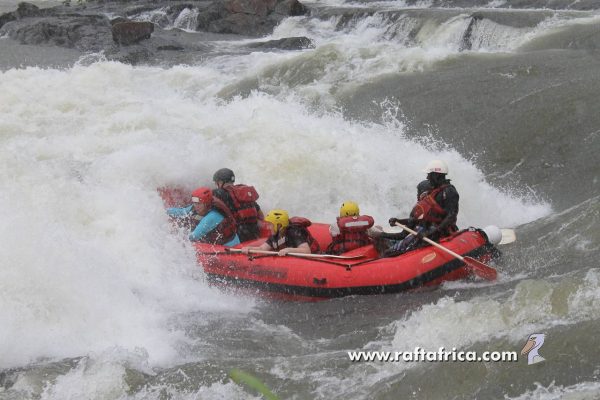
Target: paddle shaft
[[478, 268], [308, 255], [431, 242]]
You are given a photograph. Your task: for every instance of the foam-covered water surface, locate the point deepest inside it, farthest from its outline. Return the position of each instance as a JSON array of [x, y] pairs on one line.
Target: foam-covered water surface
[[100, 297]]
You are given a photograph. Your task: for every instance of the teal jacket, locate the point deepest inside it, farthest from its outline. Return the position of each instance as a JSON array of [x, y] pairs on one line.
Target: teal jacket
[[209, 222]]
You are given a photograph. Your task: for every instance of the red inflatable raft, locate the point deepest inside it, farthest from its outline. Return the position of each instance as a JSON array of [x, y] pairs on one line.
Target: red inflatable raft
[[363, 272], [301, 278]]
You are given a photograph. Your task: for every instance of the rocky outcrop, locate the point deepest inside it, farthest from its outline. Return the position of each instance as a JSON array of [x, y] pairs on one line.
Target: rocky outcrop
[[131, 38], [130, 32], [291, 43], [247, 17], [23, 10], [466, 42], [83, 32]]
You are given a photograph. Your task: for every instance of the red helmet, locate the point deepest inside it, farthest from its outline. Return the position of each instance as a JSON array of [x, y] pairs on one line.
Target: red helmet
[[202, 195]]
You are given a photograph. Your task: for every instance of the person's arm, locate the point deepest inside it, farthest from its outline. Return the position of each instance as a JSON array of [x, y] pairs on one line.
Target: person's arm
[[451, 207], [206, 224], [265, 246], [303, 248], [298, 242], [334, 230], [177, 212], [404, 221]]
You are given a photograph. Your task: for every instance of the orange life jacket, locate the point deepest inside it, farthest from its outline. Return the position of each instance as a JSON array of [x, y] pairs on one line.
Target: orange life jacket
[[353, 234]]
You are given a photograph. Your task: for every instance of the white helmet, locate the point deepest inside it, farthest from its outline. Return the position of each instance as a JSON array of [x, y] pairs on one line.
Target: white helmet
[[437, 166], [493, 233]]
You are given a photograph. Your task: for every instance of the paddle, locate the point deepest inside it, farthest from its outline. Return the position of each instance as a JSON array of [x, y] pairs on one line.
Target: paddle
[[508, 236], [241, 377], [478, 268], [307, 255]]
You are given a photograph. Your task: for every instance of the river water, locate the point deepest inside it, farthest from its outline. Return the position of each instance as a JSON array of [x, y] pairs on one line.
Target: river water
[[99, 299]]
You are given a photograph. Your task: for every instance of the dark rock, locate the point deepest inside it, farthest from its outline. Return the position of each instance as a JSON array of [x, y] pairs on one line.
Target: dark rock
[[260, 8], [23, 10], [134, 56], [27, 10], [5, 18], [118, 20], [82, 32], [170, 47], [241, 24], [466, 43], [247, 17], [84, 27], [290, 8], [291, 43], [206, 16], [126, 33]]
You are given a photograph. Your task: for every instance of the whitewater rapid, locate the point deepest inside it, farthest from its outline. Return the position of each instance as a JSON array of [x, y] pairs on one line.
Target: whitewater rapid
[[87, 245], [101, 298]]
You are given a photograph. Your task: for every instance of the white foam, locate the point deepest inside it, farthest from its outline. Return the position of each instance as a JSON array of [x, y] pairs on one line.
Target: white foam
[[88, 257], [579, 391], [535, 305]]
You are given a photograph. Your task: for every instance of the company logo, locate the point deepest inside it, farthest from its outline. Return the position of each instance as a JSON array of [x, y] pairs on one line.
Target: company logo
[[429, 257], [532, 348]]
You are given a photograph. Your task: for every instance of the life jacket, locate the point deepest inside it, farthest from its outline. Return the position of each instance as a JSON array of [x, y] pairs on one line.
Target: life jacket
[[243, 198], [427, 209], [193, 220], [227, 228], [353, 234], [297, 223]]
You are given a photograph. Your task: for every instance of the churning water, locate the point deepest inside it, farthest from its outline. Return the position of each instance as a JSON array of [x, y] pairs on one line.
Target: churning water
[[99, 299]]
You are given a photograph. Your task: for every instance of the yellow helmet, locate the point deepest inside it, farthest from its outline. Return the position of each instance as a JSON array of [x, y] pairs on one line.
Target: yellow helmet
[[349, 209], [279, 218]]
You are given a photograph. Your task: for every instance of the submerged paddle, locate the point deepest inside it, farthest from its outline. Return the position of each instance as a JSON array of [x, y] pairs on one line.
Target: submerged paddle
[[243, 378], [307, 255], [478, 268]]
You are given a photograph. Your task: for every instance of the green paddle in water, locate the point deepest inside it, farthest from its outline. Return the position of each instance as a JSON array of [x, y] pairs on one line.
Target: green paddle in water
[[243, 378]]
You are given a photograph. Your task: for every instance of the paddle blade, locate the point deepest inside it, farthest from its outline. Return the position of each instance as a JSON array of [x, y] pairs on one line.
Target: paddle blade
[[508, 236], [480, 269], [243, 378]]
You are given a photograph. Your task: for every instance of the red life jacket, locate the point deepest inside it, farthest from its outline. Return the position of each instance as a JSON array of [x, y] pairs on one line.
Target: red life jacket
[[193, 220], [304, 223], [427, 209], [296, 223], [353, 234], [227, 228], [244, 202]]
